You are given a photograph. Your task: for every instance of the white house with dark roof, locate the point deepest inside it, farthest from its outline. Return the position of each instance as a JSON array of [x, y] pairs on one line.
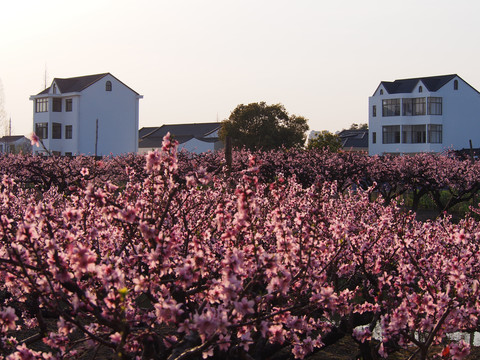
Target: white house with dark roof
[[193, 137], [427, 114], [89, 115], [15, 144]]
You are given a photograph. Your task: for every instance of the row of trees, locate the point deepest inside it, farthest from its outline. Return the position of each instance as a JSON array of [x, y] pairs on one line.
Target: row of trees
[[184, 261], [446, 181]]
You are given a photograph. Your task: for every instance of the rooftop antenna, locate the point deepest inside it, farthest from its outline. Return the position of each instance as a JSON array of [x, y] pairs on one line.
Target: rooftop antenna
[[45, 77]]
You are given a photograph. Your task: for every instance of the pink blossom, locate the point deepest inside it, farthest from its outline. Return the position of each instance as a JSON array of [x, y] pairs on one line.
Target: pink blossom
[[34, 139], [244, 306], [362, 334], [460, 350], [8, 318], [116, 338]]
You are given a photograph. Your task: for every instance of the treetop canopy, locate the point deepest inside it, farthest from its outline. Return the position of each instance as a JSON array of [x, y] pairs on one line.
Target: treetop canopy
[[262, 126]]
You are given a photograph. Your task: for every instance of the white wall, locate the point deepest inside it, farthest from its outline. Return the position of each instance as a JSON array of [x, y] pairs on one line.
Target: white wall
[[117, 114], [460, 119]]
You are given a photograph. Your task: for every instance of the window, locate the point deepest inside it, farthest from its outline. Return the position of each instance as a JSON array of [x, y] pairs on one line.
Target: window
[[391, 107], [54, 88], [413, 106], [420, 89], [414, 134], [435, 134], [419, 106], [374, 138], [108, 86], [374, 110], [455, 85], [68, 104], [56, 153], [56, 130], [407, 105], [56, 104], [68, 131], [68, 153], [381, 91], [41, 105], [434, 106], [41, 129], [391, 134]]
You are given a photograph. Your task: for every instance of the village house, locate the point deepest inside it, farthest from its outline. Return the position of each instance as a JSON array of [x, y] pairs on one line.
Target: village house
[[15, 144], [89, 115], [194, 137], [427, 114]]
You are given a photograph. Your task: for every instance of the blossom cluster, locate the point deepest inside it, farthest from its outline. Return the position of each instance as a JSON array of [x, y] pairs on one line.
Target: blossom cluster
[[181, 259]]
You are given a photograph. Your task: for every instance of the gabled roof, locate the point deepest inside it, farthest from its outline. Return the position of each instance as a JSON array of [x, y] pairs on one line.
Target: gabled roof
[[11, 138], [432, 83], [153, 136], [77, 84]]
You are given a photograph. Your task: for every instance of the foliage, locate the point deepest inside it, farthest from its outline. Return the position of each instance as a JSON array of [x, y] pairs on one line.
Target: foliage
[[262, 126], [325, 140], [356, 126]]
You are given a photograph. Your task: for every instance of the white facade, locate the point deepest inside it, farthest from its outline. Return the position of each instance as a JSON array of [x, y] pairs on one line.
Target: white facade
[[16, 144], [429, 114], [67, 113]]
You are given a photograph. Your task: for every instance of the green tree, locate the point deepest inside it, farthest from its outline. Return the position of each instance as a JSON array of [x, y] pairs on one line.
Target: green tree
[[356, 126], [262, 126], [325, 139]]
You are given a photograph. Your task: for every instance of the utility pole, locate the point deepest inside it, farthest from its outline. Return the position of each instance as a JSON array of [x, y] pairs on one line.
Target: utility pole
[[96, 137]]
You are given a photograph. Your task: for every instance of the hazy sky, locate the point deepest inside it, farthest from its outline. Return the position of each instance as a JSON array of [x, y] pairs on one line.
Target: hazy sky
[[196, 60]]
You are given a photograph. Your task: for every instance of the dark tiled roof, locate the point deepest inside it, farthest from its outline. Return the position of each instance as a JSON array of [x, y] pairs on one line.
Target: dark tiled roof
[[153, 136], [11, 138], [432, 83], [354, 139], [75, 84]]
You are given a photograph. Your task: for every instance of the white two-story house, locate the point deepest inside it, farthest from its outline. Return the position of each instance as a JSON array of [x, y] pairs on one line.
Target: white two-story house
[[89, 115], [428, 114]]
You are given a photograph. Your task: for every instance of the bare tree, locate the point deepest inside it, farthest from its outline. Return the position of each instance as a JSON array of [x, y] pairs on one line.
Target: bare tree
[[4, 122]]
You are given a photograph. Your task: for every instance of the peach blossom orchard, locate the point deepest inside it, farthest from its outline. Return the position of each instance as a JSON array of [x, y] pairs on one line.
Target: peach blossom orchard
[[176, 256]]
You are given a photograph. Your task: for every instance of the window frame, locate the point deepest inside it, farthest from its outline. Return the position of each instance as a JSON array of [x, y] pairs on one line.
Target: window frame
[[392, 136], [56, 130], [434, 103], [41, 105], [419, 106], [391, 107], [68, 105], [56, 105], [435, 130], [414, 134], [108, 86], [68, 131], [41, 130]]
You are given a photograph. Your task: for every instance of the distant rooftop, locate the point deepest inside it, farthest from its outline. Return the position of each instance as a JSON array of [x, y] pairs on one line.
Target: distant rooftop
[[354, 139], [153, 136]]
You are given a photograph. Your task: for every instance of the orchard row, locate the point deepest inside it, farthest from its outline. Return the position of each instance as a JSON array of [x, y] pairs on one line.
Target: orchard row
[[445, 180]]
